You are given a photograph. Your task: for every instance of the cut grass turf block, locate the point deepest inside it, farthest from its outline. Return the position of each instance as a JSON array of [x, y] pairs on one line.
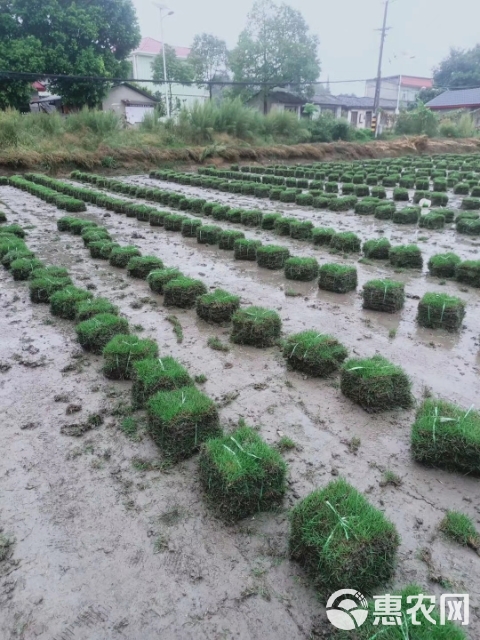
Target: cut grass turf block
[[408, 256], [9, 242], [157, 374], [256, 326], [95, 236], [378, 192], [246, 249], [157, 218], [64, 303], [443, 265], [468, 272], [282, 226], [183, 292], [121, 256], [16, 230], [337, 277], [377, 249], [468, 226], [159, 278], [141, 266], [375, 384], [190, 226], [269, 219], [346, 242], [303, 269], [3, 217], [42, 288], [447, 436], [219, 211], [15, 254], [208, 234], [301, 229], [63, 224], [271, 256], [366, 206], [122, 351], [174, 222], [322, 236], [226, 239], [426, 630], [384, 295], [304, 199], [400, 194], [441, 311], [24, 268], [460, 528], [407, 215], [314, 353], [94, 334], [52, 272], [432, 221], [78, 224], [102, 249], [218, 306], [385, 211], [251, 218], [340, 538], [345, 203], [241, 474], [88, 308], [461, 189], [180, 421], [438, 199]]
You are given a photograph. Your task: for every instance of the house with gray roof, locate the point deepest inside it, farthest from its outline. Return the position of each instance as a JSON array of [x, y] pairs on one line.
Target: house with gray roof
[[357, 110], [468, 99]]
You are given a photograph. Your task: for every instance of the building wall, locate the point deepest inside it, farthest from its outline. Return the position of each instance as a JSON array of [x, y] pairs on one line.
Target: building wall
[[389, 91], [257, 103], [113, 101]]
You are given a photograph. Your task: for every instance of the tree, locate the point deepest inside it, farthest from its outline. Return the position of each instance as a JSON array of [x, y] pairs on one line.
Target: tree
[[77, 37], [177, 70], [461, 69], [208, 57], [276, 48]]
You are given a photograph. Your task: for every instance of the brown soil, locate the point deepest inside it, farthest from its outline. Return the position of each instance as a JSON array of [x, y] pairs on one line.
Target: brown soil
[[111, 544], [130, 157]]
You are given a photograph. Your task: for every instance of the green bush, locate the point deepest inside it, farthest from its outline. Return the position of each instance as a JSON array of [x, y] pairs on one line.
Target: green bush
[[377, 249], [406, 256], [468, 272], [407, 215], [208, 234], [226, 239], [122, 351], [156, 374], [159, 278], [94, 334], [346, 242], [24, 268], [443, 265], [322, 236], [447, 436], [218, 306], [241, 474], [384, 295], [272, 256], [141, 266], [314, 353], [121, 256], [180, 421], [304, 269], [64, 303], [246, 249], [337, 277], [183, 292], [90, 307], [441, 311], [340, 538], [256, 326], [375, 384]]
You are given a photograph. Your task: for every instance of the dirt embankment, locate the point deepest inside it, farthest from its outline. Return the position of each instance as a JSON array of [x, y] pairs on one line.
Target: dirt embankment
[[105, 157]]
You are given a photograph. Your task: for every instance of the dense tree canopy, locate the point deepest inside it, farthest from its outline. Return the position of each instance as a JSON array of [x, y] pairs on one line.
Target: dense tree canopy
[[460, 70], [276, 47], [208, 57], [78, 37], [177, 70]]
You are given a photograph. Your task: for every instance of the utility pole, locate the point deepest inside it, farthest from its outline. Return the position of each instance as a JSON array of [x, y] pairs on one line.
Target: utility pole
[[376, 101], [164, 12]]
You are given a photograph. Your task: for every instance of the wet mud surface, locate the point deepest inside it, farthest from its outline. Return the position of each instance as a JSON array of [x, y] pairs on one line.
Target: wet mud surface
[[111, 544]]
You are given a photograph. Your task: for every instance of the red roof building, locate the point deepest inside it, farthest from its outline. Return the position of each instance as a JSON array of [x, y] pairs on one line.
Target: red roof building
[[152, 47]]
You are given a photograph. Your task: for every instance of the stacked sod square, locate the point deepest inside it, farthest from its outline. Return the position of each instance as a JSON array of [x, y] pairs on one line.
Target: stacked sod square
[[256, 326], [86, 309], [377, 249], [447, 436], [443, 265], [246, 249], [141, 266], [122, 352], [241, 474], [160, 277], [314, 353], [441, 311], [180, 421], [64, 303], [303, 269], [468, 272], [227, 239], [339, 278], [156, 374], [95, 333], [375, 384], [271, 256], [340, 538], [384, 295], [406, 256], [121, 256], [182, 292], [218, 306]]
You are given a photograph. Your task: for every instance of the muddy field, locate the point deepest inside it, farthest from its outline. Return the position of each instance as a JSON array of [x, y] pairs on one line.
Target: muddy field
[[110, 543]]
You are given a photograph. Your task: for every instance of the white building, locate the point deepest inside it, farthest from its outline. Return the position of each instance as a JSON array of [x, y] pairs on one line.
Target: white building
[[403, 89], [142, 59]]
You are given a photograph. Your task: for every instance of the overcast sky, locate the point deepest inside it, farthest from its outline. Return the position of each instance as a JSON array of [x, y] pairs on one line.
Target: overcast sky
[[422, 31]]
